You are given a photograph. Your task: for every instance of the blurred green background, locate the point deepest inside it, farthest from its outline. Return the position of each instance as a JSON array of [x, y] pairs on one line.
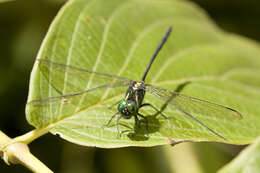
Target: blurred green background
[[23, 24]]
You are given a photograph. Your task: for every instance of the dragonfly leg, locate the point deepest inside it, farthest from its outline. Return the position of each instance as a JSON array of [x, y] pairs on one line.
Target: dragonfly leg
[[117, 126], [107, 124], [146, 123], [137, 121], [111, 106], [157, 111]]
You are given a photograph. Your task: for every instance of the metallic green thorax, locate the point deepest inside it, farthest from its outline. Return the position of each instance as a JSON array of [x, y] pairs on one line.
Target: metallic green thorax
[[129, 106]]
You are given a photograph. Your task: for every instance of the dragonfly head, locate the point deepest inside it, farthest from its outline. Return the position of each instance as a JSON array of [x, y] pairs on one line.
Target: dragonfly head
[[127, 108]]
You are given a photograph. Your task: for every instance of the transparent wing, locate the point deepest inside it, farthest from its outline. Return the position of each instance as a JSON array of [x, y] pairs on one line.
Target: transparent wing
[[193, 106], [67, 98], [69, 79], [71, 89]]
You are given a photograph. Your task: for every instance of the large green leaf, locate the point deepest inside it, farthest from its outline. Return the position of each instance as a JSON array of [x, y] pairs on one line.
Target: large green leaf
[[247, 161], [119, 37]]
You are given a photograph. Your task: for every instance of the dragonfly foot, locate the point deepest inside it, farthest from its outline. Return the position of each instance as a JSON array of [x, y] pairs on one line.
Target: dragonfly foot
[[118, 136]]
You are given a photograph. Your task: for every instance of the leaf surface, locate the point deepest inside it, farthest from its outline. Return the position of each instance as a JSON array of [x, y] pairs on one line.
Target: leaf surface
[[118, 38]]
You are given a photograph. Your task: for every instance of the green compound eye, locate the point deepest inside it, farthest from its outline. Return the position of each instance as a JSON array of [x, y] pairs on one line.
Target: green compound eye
[[122, 104], [132, 107]]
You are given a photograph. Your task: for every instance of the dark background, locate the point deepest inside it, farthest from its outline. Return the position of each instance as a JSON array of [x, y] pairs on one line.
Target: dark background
[[23, 25]]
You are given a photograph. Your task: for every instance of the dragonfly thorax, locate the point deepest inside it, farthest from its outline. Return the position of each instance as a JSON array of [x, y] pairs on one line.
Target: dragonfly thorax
[[127, 108]]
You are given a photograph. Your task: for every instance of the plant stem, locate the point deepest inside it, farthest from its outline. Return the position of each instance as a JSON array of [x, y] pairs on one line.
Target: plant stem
[[19, 153], [16, 150], [30, 136]]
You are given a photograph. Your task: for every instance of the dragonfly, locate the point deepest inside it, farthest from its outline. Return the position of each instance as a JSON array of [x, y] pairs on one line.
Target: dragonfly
[[132, 102]]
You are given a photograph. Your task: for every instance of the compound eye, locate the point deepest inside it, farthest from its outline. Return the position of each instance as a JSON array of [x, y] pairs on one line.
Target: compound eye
[[131, 107], [121, 106]]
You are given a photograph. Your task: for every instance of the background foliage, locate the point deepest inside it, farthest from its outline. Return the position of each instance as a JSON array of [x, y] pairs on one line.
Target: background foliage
[[22, 28]]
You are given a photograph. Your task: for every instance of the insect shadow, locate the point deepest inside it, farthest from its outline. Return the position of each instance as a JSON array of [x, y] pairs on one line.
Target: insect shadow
[[154, 123]]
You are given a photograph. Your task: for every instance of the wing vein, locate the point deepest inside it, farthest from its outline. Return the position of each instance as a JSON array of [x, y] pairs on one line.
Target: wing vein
[[75, 31]]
